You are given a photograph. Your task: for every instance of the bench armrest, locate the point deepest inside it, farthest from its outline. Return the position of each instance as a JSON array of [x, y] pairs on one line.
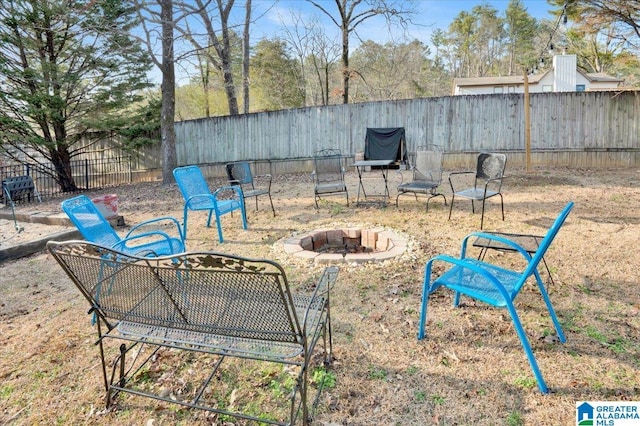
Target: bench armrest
[[319, 297]]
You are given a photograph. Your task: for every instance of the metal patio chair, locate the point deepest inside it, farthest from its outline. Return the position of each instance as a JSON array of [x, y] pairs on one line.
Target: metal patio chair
[[427, 175], [487, 182], [144, 239], [494, 285], [239, 173], [328, 174], [197, 196]]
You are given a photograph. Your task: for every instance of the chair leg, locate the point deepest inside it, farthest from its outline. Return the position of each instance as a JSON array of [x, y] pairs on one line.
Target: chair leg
[[184, 228], [552, 312], [271, 201], [243, 214], [527, 348], [453, 196], [433, 196], [425, 300], [219, 226]]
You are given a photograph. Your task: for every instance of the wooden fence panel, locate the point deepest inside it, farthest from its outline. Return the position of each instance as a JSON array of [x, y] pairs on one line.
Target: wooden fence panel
[[560, 122]]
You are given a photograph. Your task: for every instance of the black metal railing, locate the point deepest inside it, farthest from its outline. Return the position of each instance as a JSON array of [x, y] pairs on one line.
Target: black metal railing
[[87, 174]]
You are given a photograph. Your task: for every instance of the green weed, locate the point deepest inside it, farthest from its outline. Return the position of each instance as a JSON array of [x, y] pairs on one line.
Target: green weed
[[515, 419], [6, 391], [526, 382], [377, 373], [323, 378], [437, 399]]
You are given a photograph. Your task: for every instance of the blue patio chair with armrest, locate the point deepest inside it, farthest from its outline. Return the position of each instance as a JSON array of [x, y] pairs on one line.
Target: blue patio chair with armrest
[[493, 284], [144, 239], [487, 182], [239, 173], [197, 196]]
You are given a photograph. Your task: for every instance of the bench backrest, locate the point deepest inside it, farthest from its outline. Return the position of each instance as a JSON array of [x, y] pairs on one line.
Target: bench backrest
[[17, 186], [200, 292]]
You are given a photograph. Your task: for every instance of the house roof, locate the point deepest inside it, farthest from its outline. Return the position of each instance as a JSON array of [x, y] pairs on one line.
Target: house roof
[[600, 76], [533, 79], [494, 81]]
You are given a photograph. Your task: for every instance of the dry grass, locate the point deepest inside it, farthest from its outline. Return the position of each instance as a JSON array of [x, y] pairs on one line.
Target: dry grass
[[469, 370]]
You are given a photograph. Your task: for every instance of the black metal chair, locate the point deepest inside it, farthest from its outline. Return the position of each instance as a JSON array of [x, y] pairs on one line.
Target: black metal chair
[[427, 174], [487, 182], [240, 174], [328, 174]]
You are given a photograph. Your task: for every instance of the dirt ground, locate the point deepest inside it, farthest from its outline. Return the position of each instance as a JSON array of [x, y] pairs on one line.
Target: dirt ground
[[470, 369]]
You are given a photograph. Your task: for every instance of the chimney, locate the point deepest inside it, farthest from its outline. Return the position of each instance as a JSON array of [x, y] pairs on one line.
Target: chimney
[[564, 73]]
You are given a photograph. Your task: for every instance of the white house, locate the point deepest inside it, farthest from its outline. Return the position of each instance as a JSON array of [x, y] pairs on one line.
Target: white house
[[564, 76]]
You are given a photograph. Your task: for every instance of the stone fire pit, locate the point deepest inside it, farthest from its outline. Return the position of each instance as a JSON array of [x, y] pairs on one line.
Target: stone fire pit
[[349, 245]]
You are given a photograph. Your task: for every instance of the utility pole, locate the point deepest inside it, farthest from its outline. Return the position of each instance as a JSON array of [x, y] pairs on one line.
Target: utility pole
[[527, 122]]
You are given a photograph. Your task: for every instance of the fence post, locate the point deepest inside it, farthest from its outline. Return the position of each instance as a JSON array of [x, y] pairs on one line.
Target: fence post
[[86, 174], [130, 170]]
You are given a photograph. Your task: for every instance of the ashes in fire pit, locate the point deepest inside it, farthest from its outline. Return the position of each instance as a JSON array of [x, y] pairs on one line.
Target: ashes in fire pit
[[350, 245]]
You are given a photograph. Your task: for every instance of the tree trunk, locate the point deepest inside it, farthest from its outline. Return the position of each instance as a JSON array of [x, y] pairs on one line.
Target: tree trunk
[[167, 129], [345, 64], [245, 58], [61, 160]]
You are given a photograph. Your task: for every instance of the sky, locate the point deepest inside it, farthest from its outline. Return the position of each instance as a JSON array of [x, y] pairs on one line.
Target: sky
[[271, 16], [431, 14]]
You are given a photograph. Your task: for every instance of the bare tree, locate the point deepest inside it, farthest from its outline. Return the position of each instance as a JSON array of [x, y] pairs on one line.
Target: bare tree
[[245, 57], [352, 13], [316, 54], [219, 41]]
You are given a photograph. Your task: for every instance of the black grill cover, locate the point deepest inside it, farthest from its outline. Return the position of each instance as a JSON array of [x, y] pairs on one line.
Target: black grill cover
[[386, 144]]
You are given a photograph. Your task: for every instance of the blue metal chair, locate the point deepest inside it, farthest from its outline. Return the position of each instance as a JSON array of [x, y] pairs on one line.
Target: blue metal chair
[[141, 240], [494, 285], [197, 196]]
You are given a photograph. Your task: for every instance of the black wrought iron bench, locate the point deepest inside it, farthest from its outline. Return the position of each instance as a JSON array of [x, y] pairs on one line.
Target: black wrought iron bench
[[15, 188], [18, 187], [150, 312]]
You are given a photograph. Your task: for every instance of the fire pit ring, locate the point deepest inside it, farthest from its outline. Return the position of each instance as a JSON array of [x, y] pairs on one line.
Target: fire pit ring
[[348, 245]]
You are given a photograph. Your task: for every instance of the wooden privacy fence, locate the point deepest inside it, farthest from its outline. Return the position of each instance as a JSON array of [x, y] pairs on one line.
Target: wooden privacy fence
[[575, 129], [580, 129]]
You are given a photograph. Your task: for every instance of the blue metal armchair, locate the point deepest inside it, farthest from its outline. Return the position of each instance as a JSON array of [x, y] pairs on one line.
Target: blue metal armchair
[[493, 284], [197, 196], [139, 241]]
